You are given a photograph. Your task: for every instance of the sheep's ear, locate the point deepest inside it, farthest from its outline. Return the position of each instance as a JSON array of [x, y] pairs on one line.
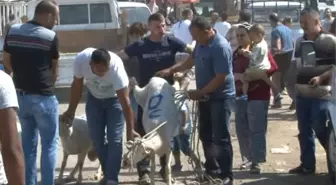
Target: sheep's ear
[[140, 95]]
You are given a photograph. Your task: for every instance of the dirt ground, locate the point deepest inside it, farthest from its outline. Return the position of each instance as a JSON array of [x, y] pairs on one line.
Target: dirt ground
[[282, 131]]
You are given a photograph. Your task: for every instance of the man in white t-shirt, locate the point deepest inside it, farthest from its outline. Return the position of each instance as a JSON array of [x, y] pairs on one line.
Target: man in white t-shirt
[[107, 105], [222, 27], [181, 28], [10, 145]]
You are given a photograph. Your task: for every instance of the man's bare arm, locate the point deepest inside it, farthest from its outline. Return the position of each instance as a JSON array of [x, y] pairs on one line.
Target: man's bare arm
[[182, 66], [54, 70], [75, 94], [11, 147], [7, 62], [123, 96]]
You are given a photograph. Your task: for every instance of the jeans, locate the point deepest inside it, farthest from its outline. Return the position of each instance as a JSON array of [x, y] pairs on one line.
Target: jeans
[[2, 67], [106, 121], [214, 130], [39, 114], [143, 166], [251, 128], [312, 116]]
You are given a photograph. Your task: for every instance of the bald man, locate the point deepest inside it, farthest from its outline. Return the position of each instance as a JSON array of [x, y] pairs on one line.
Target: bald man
[[312, 105]]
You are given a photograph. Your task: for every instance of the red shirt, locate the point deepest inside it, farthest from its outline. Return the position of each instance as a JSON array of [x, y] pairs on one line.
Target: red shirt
[[258, 90]]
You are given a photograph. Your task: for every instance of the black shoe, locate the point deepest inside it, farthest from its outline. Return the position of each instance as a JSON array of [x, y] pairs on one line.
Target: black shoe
[[292, 106], [144, 179], [255, 169], [277, 101], [227, 181], [301, 171]]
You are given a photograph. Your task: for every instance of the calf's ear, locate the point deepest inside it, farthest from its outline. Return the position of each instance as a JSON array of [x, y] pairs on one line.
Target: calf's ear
[[140, 95]]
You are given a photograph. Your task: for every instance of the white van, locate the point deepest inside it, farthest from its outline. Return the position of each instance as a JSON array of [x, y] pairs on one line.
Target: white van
[[95, 14]]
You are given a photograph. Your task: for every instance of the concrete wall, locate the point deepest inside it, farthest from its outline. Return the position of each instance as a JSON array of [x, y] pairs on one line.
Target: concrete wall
[[63, 94], [75, 41]]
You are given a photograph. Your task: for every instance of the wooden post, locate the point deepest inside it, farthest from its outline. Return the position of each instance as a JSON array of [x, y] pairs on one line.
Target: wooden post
[[124, 28]]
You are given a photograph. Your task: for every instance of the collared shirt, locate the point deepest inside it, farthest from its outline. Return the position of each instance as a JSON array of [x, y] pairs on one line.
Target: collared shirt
[[212, 59], [283, 33], [32, 48]]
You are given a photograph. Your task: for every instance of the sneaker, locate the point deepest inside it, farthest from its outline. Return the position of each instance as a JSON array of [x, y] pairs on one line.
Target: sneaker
[[177, 168], [301, 170], [255, 169], [144, 179], [277, 101], [226, 181], [245, 165]]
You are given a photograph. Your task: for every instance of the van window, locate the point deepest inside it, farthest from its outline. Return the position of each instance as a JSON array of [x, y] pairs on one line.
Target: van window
[[136, 14], [262, 15], [74, 14], [79, 13], [100, 13]]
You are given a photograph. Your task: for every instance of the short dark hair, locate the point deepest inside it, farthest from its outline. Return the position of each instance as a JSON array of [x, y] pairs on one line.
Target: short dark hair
[[46, 7], [156, 17], [287, 20], [138, 28], [186, 12], [201, 23], [274, 17], [245, 16], [312, 12], [101, 56], [258, 28], [224, 16]]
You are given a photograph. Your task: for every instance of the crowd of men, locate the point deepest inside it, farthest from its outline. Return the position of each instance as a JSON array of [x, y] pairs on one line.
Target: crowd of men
[[31, 56]]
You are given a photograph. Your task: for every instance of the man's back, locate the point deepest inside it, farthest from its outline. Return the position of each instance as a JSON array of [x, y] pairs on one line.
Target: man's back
[[222, 27], [283, 33], [181, 31], [32, 48]]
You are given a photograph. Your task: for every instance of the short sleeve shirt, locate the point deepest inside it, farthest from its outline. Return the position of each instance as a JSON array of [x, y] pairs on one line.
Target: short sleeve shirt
[[101, 87]]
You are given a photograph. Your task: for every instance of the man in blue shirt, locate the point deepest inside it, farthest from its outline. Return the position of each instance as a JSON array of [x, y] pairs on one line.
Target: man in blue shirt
[[282, 49], [154, 53], [212, 58]]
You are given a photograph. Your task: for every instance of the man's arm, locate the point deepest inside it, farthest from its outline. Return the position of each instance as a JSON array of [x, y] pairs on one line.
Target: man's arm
[[55, 56], [123, 96], [120, 82], [11, 148], [180, 46], [75, 94], [222, 64], [131, 50], [276, 41], [6, 57], [182, 66]]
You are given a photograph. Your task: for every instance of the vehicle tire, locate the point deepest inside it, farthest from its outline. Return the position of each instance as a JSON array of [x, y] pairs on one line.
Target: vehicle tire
[[331, 154]]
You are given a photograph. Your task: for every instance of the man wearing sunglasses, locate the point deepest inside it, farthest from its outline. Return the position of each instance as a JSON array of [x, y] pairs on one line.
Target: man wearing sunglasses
[[154, 53]]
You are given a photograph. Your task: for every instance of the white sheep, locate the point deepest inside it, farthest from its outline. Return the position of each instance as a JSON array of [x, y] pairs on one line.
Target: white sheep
[[161, 121], [75, 140]]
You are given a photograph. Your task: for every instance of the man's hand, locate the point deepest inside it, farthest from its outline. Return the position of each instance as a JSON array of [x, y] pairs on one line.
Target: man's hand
[[67, 117], [184, 128], [195, 94], [132, 83], [131, 134], [164, 73], [315, 81]]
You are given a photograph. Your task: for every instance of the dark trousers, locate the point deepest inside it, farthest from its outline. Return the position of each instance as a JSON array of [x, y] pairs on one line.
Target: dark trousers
[[312, 115], [214, 130], [143, 166]]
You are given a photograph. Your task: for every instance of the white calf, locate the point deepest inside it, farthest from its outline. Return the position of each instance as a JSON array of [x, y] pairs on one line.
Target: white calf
[[161, 120], [75, 141]]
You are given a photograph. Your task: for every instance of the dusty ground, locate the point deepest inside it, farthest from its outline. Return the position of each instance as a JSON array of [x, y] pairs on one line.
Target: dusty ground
[[282, 131]]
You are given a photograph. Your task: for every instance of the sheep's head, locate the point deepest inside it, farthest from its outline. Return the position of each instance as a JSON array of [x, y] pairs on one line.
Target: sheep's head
[[65, 128]]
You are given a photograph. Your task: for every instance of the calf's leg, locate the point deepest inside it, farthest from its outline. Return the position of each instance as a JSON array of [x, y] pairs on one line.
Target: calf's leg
[[64, 163], [168, 167], [152, 178], [80, 162]]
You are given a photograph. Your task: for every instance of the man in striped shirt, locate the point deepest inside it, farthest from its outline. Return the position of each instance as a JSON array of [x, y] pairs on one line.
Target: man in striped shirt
[[31, 54]]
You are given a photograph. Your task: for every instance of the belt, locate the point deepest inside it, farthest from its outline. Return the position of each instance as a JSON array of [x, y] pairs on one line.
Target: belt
[[22, 93]]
